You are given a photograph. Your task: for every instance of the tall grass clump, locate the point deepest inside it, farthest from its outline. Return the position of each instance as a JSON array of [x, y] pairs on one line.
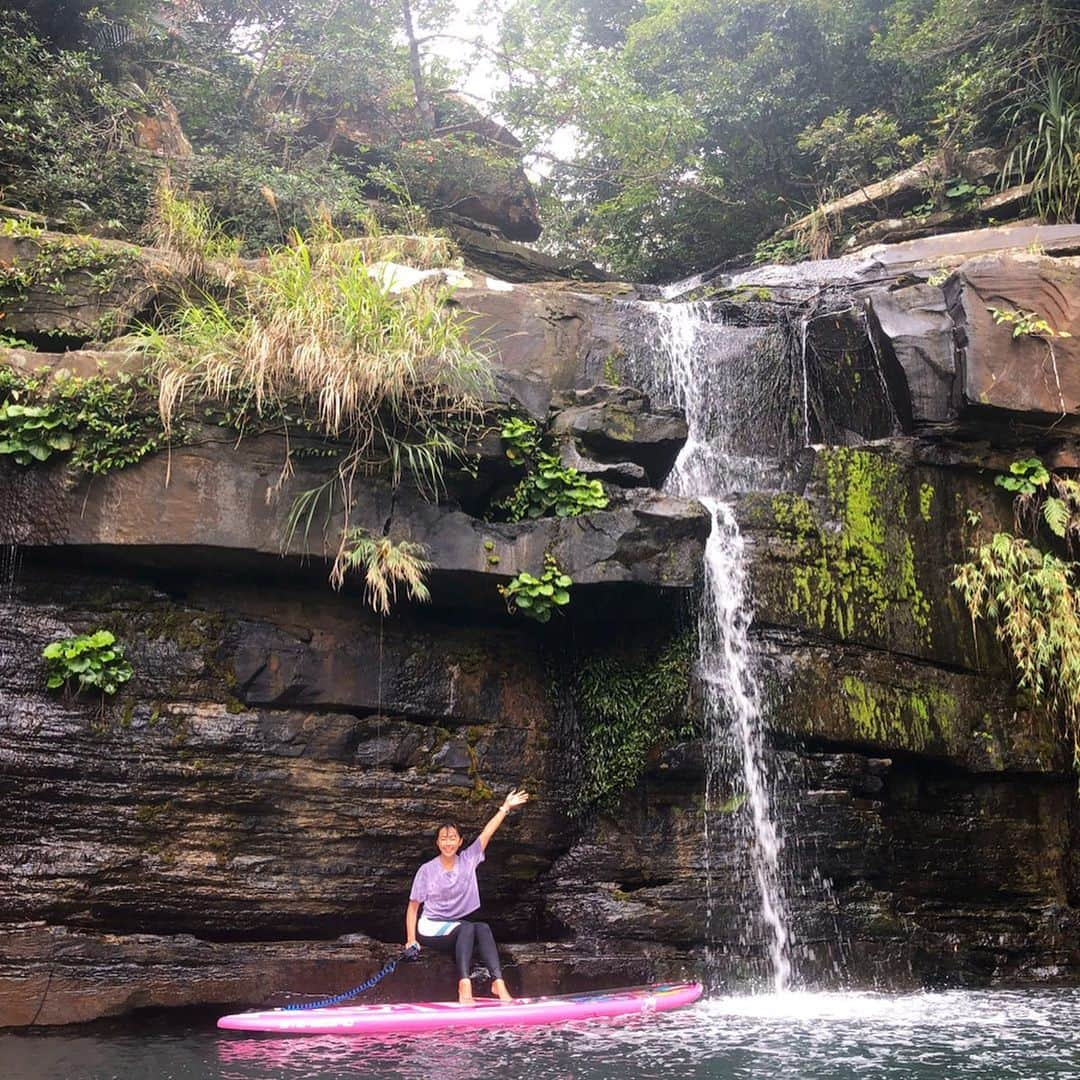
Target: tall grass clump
[[1049, 153], [186, 227], [317, 333]]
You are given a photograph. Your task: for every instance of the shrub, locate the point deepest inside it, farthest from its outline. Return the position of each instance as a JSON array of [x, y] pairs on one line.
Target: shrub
[[90, 660], [65, 133], [102, 422]]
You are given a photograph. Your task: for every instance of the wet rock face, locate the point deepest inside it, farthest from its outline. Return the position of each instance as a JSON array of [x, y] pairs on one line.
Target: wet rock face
[[273, 770], [898, 870], [866, 552]]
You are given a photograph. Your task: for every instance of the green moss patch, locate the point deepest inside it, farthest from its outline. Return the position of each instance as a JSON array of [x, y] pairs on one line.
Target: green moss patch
[[854, 570]]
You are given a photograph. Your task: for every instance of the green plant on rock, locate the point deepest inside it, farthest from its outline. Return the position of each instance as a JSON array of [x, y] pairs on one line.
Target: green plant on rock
[[552, 488], [1026, 323], [1024, 477], [33, 433], [521, 438], [13, 341], [629, 703], [1030, 597], [113, 420], [548, 487], [538, 597], [781, 251], [93, 660], [386, 566], [105, 423], [1043, 498]]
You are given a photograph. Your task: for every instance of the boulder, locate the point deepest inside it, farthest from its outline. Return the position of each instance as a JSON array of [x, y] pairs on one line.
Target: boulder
[[915, 331], [618, 424], [76, 287], [1023, 366]]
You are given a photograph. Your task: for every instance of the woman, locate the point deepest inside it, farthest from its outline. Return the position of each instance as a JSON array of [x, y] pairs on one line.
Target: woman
[[446, 886]]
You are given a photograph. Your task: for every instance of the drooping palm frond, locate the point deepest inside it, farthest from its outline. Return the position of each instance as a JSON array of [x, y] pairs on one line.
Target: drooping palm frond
[[386, 566]]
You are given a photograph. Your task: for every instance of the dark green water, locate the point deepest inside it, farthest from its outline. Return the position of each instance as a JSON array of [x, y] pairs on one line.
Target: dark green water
[[948, 1036]]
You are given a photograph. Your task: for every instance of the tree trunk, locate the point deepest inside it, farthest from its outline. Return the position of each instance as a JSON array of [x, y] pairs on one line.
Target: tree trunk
[[423, 102]]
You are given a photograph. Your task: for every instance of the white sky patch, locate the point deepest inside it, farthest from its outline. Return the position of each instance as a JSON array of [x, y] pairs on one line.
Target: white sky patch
[[484, 76]]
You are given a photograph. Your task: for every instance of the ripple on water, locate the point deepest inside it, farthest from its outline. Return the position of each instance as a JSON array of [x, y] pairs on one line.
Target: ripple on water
[[953, 1035]]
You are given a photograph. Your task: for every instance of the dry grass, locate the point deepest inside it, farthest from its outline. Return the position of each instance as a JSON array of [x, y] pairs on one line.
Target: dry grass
[[393, 376], [386, 566]]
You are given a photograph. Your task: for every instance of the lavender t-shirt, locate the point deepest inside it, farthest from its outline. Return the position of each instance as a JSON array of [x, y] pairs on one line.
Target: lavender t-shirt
[[449, 894]]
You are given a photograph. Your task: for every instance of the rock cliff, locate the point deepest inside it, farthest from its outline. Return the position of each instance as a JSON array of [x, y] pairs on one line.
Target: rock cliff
[[243, 821]]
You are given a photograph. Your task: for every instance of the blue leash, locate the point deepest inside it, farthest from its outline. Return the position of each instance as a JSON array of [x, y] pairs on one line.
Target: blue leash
[[409, 954]]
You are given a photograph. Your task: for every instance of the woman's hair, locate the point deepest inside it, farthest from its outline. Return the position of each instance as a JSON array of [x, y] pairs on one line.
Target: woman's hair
[[447, 825]]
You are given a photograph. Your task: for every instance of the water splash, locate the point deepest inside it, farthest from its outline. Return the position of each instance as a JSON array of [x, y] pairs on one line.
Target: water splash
[[699, 361]]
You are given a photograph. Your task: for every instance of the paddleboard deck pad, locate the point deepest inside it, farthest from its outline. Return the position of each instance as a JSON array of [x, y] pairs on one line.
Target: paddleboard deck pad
[[485, 1013]]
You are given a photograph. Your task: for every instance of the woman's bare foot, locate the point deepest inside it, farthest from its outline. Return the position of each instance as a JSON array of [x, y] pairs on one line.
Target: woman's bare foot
[[464, 992], [498, 988]]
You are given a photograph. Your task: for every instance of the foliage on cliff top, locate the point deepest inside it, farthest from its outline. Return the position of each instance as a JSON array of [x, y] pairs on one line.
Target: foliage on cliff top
[[317, 331], [700, 126]]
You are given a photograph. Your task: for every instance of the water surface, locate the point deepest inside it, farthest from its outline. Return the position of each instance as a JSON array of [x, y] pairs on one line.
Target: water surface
[[795, 1036]]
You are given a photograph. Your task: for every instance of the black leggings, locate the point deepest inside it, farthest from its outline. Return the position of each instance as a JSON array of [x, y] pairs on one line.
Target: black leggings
[[461, 942]]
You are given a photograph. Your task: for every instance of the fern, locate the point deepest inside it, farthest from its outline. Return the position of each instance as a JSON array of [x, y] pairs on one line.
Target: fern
[[1031, 598], [1056, 515]]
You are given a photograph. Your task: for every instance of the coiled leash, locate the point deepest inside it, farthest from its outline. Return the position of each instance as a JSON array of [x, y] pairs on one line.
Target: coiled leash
[[409, 954]]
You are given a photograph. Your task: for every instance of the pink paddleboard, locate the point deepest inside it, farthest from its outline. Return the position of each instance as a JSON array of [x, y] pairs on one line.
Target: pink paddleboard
[[487, 1012]]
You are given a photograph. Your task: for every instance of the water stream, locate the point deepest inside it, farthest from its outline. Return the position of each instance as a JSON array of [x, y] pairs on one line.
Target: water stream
[[699, 370]]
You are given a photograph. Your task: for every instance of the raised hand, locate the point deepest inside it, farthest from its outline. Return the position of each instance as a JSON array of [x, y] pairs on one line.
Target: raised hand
[[515, 798]]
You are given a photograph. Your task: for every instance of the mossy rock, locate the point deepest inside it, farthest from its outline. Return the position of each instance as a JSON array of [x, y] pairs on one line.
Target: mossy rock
[[867, 553]]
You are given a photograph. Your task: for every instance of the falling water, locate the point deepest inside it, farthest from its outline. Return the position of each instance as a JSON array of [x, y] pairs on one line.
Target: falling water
[[10, 561], [699, 360]]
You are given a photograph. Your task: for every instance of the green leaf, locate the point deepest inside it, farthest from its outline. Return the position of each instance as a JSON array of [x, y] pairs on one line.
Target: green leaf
[[1056, 515]]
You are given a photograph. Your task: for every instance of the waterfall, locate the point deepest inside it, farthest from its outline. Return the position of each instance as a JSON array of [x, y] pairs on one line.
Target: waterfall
[[10, 561], [700, 371]]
